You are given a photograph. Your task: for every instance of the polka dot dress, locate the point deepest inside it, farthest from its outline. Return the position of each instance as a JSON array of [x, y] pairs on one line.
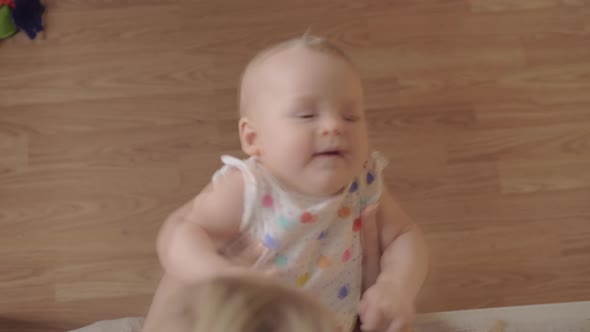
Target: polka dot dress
[[311, 243]]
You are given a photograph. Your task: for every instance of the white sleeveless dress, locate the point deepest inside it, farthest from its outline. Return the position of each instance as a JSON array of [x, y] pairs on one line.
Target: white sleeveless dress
[[308, 242]]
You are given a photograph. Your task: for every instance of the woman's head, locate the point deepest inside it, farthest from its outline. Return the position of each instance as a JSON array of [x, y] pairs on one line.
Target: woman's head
[[246, 304]]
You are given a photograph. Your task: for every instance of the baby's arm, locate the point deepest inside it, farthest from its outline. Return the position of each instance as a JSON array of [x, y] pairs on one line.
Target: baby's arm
[[389, 305], [188, 241], [404, 261]]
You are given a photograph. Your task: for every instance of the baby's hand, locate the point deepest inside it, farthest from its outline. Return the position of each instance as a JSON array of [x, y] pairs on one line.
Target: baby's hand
[[385, 307]]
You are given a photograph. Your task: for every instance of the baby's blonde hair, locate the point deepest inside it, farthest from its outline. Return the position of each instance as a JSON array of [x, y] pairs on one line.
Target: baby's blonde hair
[[236, 304], [307, 40]]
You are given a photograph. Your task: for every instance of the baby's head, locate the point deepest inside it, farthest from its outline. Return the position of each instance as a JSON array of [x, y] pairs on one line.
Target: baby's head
[[302, 115], [246, 304]]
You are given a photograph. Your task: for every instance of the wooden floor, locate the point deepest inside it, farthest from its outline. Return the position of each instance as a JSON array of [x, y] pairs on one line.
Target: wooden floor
[[119, 115]]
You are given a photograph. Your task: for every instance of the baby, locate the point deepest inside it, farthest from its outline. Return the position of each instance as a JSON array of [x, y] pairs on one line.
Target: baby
[[308, 207]]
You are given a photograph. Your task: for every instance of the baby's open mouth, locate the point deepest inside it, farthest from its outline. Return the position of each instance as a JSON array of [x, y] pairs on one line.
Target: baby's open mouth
[[330, 153]]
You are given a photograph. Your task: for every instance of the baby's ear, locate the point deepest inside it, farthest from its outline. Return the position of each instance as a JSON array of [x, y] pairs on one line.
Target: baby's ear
[[248, 137]]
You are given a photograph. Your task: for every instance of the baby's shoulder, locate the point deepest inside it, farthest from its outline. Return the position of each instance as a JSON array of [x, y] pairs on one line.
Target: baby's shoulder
[[228, 183], [219, 206]]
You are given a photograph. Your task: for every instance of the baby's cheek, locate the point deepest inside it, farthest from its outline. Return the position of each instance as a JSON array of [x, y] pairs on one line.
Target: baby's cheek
[[289, 149]]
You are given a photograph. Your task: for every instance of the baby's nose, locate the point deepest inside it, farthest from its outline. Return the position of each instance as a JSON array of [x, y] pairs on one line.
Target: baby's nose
[[335, 131], [332, 126]]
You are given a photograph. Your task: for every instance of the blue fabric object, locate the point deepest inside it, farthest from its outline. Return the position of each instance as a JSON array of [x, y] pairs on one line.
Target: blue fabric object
[[28, 16]]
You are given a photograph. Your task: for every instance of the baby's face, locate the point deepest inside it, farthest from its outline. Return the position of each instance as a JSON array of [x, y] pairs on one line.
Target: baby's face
[[308, 114]]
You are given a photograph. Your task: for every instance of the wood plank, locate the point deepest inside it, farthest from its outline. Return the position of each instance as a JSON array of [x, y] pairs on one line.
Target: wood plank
[[554, 48], [457, 24], [442, 56], [549, 175], [14, 148], [479, 6], [504, 114], [503, 144]]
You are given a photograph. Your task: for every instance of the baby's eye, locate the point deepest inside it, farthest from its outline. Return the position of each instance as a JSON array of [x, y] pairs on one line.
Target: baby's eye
[[351, 118], [306, 116]]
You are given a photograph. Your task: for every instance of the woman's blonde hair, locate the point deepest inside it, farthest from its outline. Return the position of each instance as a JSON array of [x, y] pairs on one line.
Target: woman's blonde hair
[[238, 304]]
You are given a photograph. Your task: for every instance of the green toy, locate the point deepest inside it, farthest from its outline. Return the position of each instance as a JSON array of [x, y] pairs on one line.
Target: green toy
[[7, 27]]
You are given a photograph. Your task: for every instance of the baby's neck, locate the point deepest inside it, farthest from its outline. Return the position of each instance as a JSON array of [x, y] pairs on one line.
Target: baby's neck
[[292, 190]]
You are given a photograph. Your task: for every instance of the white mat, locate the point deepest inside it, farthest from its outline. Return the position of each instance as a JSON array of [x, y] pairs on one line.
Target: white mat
[[130, 324], [563, 317]]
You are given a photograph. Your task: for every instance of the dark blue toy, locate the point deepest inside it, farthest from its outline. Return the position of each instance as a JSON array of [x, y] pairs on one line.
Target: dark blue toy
[[28, 16]]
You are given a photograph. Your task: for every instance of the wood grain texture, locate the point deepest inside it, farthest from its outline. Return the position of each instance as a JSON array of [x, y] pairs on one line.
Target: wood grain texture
[[118, 114]]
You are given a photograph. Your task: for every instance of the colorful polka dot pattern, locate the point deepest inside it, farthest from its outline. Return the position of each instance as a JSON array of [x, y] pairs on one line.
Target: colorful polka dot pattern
[[344, 212], [358, 224], [306, 218], [302, 279], [284, 223], [343, 292], [271, 242], [346, 256], [267, 201], [323, 262], [353, 187], [370, 177], [281, 260], [315, 246]]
